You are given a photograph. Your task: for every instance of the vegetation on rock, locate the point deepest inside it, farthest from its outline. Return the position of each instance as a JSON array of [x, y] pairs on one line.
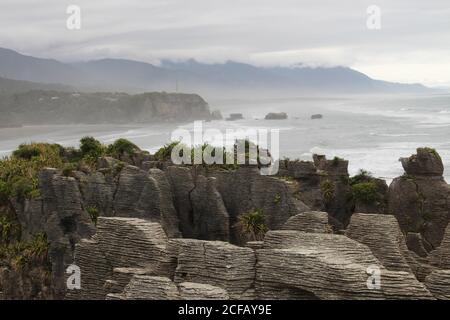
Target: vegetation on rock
[[252, 225], [327, 187], [362, 176], [365, 192], [22, 253], [93, 213]]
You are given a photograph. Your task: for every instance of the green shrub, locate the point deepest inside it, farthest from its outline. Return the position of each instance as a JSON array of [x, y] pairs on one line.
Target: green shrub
[[93, 213], [68, 169], [33, 150], [22, 187], [277, 199], [336, 161], [165, 152], [20, 254], [252, 225], [5, 192], [27, 152], [9, 230], [118, 168], [122, 146], [91, 147], [362, 176], [327, 188], [19, 173], [365, 192]]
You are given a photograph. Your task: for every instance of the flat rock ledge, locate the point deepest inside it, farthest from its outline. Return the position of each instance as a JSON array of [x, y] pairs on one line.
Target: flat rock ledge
[[131, 258]]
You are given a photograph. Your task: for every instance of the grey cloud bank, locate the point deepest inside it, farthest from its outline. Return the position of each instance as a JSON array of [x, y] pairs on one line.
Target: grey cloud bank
[[413, 44]]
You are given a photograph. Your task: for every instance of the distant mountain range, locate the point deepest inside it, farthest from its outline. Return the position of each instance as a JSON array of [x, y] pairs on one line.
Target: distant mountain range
[[191, 76]]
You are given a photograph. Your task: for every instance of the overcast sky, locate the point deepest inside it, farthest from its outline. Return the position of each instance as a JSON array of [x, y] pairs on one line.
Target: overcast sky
[[413, 44]]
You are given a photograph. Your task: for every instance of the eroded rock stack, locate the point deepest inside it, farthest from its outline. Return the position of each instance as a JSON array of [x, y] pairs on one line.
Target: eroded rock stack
[[419, 200]]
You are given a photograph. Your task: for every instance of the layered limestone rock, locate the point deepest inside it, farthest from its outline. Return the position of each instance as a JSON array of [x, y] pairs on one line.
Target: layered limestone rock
[[327, 266], [94, 270], [143, 287], [135, 195], [132, 242], [210, 217], [311, 221], [168, 215], [216, 263], [245, 190], [420, 200], [58, 213], [383, 236], [121, 277], [308, 178], [121, 249], [335, 187], [438, 283], [323, 185], [98, 191], [130, 192], [441, 256], [199, 291], [182, 184]]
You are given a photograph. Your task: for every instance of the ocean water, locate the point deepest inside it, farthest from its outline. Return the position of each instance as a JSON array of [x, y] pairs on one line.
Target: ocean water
[[371, 132]]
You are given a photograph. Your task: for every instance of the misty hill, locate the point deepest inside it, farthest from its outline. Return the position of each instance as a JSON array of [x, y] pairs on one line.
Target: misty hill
[[8, 86], [191, 76], [52, 107]]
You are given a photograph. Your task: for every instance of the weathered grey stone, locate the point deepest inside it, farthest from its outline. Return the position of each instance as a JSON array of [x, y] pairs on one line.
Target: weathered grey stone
[[122, 276], [311, 221], [216, 263], [441, 256], [143, 287], [383, 236], [182, 184], [135, 195], [95, 270], [210, 218], [98, 192], [420, 200], [132, 242], [121, 248], [438, 283], [169, 216], [335, 187], [140, 194], [245, 190], [199, 291], [426, 162], [66, 222], [326, 266], [308, 181]]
